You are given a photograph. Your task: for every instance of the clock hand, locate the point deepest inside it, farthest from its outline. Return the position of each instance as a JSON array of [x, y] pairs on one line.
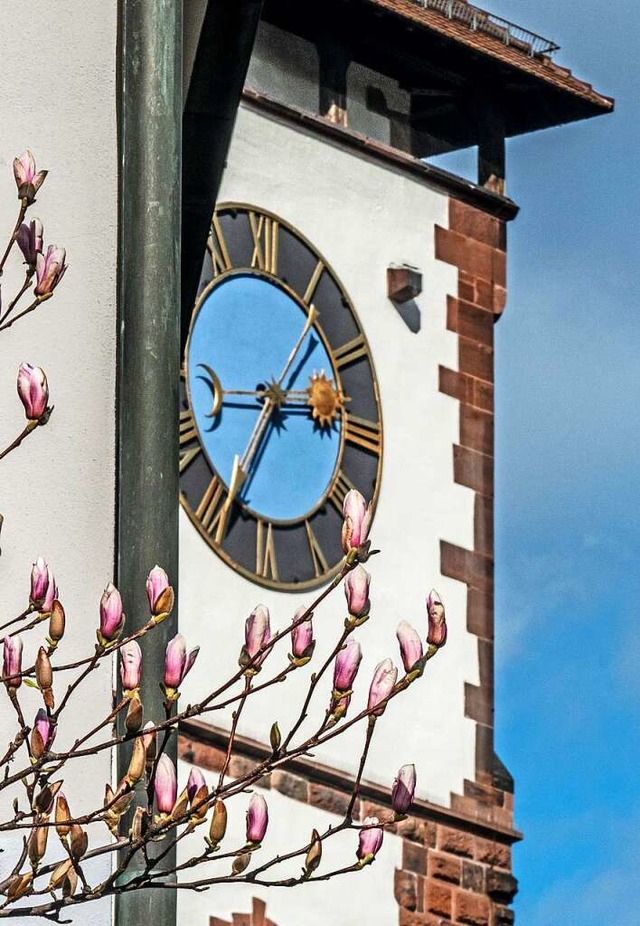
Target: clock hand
[[267, 408], [238, 476]]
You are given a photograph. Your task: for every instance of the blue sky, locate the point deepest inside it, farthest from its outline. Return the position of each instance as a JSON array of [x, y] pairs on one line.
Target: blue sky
[[568, 485]]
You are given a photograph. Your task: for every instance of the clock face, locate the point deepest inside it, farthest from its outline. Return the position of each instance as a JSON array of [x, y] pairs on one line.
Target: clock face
[[280, 408]]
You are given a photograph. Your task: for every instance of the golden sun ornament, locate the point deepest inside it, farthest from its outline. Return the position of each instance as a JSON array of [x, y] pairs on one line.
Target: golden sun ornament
[[324, 399]]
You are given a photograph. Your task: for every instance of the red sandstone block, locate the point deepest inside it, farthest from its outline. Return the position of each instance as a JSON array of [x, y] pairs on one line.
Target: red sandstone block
[[289, 785], [414, 857], [444, 867], [469, 255], [476, 430], [473, 469], [470, 321], [201, 755], [472, 909], [330, 799], [465, 565], [473, 877], [499, 300], [438, 898], [418, 831], [478, 705], [483, 793], [492, 853], [474, 223], [483, 524], [406, 889], [455, 841], [466, 389], [476, 359]]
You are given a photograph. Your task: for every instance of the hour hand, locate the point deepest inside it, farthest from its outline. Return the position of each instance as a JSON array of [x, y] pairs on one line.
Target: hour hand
[[238, 476]]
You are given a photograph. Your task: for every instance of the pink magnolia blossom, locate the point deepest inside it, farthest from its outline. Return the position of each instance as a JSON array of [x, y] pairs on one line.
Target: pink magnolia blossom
[[39, 581], [257, 632], [12, 661], [370, 839], [195, 783], [403, 789], [357, 520], [33, 390], [437, 633], [165, 785], [27, 180], [346, 665], [42, 734], [30, 240], [176, 661], [111, 614], [51, 593], [257, 818], [130, 665], [384, 678], [50, 269], [159, 591], [356, 590], [302, 641], [410, 645]]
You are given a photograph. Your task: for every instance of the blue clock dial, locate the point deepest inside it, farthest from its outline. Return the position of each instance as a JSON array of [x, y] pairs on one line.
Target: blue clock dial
[[245, 331], [280, 412]]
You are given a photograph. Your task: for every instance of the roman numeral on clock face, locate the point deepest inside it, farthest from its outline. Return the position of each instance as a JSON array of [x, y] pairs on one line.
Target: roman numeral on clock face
[[214, 509], [363, 433], [266, 565], [218, 248], [264, 231], [318, 558], [349, 352]]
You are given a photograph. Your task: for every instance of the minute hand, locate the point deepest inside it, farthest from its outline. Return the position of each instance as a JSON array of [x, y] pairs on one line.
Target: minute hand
[[267, 408]]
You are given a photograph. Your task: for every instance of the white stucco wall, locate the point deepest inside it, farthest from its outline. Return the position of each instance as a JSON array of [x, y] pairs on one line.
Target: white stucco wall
[[363, 216], [345, 900], [57, 97]]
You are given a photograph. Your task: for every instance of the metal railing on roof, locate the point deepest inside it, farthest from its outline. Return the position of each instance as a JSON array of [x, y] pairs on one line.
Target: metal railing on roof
[[481, 21]]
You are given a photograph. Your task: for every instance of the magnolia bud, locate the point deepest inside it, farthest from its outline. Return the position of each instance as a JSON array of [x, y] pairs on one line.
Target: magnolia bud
[[29, 240], [357, 520], [382, 684], [410, 645], [165, 785], [78, 842], [403, 789], [27, 179], [50, 269], [39, 581], [111, 616], [314, 854], [139, 824], [370, 840], [137, 762], [33, 390], [302, 642], [218, 826], [135, 712], [240, 862], [42, 734], [356, 590], [257, 819], [43, 802], [57, 623], [130, 665], [19, 886], [44, 676], [159, 592], [63, 815], [12, 662], [257, 633], [37, 845], [177, 665], [60, 874], [437, 634], [346, 665]]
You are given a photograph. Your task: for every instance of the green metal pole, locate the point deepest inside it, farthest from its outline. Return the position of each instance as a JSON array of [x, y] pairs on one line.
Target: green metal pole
[[150, 125]]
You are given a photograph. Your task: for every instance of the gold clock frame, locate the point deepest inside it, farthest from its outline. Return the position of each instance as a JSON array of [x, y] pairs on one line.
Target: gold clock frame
[[274, 279]]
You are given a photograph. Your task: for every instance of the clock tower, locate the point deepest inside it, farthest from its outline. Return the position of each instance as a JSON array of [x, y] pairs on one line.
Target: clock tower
[[342, 336]]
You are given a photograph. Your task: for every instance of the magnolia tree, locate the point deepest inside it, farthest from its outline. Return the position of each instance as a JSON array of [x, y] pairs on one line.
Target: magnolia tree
[[139, 820]]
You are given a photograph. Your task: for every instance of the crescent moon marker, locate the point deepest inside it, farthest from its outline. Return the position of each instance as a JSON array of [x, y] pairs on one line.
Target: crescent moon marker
[[217, 391]]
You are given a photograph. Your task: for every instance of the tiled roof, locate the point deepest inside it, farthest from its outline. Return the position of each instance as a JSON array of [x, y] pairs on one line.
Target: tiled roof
[[539, 67]]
